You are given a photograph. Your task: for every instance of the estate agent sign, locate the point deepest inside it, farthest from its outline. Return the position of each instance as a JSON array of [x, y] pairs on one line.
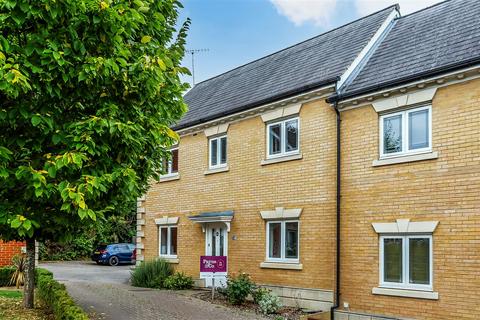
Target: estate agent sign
[[213, 264]]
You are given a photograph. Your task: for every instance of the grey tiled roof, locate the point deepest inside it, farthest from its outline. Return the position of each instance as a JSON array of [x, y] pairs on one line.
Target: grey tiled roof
[[447, 34], [305, 66]]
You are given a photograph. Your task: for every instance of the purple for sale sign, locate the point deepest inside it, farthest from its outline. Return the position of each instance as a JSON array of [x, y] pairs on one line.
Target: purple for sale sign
[[213, 264]]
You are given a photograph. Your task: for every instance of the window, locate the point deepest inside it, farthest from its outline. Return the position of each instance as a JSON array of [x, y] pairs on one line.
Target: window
[[218, 152], [168, 241], [171, 164], [406, 262], [406, 132], [283, 137], [282, 241]]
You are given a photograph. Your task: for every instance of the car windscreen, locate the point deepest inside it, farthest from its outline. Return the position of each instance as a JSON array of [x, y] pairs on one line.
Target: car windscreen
[[101, 247]]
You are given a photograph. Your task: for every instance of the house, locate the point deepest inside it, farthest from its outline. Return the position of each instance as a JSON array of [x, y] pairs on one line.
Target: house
[[342, 172], [8, 250]]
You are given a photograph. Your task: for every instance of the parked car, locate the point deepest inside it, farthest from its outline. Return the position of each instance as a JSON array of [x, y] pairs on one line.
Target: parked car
[[115, 254]]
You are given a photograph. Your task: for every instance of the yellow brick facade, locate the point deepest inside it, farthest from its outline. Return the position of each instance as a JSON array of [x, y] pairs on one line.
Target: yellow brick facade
[[446, 189], [248, 188]]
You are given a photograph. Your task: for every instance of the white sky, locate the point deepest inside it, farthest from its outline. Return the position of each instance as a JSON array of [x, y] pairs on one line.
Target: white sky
[[320, 11]]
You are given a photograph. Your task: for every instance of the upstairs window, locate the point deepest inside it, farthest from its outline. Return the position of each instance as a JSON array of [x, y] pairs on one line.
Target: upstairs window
[[406, 132], [283, 138], [218, 152], [170, 165]]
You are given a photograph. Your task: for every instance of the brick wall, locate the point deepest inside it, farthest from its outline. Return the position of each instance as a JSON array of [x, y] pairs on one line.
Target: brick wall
[[8, 250], [247, 188], [446, 189]]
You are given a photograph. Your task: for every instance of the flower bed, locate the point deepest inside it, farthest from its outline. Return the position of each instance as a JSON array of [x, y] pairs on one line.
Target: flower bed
[[284, 313]]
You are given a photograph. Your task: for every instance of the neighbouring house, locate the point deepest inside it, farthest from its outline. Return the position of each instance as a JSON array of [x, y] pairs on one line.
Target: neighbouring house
[[8, 250], [342, 172]]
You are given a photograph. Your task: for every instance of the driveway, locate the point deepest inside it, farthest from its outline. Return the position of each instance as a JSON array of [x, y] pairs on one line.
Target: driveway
[[104, 292]]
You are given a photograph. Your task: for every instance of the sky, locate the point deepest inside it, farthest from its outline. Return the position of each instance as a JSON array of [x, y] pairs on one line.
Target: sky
[[236, 32]]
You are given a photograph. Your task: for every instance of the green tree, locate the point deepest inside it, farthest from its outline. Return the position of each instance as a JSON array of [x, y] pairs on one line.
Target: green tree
[[88, 92]]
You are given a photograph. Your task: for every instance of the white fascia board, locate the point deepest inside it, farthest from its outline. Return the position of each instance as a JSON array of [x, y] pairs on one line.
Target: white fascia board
[[315, 94], [367, 51]]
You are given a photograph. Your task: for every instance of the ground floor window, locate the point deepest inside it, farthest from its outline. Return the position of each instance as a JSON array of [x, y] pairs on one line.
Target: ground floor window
[[168, 241], [406, 261], [282, 241]]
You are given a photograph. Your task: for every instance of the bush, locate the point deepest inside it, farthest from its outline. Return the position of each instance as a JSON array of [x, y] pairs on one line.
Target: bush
[[18, 276], [6, 275], [266, 300], [178, 281], [238, 288], [55, 296], [151, 274]]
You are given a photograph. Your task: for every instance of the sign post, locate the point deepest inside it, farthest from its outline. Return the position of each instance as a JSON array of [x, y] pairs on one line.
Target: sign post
[[213, 286], [213, 264]]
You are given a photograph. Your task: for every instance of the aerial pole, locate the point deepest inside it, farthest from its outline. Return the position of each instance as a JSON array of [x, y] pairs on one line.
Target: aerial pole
[[193, 52]]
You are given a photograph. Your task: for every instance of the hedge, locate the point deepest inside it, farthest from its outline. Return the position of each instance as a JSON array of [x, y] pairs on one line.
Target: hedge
[[55, 296], [51, 292], [5, 275]]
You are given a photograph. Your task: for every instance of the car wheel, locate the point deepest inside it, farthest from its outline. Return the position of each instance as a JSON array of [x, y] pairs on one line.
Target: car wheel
[[113, 261]]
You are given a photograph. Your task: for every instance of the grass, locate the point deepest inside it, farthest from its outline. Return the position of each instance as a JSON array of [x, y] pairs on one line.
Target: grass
[[10, 294], [11, 307]]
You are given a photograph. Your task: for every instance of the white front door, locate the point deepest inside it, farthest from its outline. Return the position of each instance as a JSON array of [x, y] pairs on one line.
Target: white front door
[[216, 244]]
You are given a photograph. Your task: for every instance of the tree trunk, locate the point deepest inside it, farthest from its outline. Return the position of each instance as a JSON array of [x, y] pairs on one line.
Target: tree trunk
[[29, 286]]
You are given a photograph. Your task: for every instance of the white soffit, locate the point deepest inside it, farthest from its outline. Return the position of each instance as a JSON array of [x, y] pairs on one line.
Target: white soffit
[[281, 213], [281, 112], [165, 220], [405, 226], [416, 97]]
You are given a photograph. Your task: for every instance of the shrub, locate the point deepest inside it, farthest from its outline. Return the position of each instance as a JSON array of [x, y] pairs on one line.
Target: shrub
[[55, 296], [151, 274], [6, 275], [178, 281], [18, 275], [266, 300], [238, 288]]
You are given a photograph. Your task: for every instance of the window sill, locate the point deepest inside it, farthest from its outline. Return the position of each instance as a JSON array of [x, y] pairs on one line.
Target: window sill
[[216, 170], [170, 259], [169, 177], [281, 265], [281, 159], [405, 158], [408, 293]]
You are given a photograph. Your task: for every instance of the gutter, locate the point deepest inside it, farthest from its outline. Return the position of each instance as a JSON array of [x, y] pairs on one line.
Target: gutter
[[285, 95], [405, 80]]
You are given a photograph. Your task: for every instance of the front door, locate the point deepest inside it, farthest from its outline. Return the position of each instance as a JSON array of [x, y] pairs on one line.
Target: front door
[[216, 244]]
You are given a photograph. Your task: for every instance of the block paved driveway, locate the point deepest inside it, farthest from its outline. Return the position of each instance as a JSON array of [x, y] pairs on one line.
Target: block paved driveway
[[104, 292]]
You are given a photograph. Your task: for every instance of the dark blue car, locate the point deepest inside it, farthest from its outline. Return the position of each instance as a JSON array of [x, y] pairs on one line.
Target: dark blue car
[[115, 254]]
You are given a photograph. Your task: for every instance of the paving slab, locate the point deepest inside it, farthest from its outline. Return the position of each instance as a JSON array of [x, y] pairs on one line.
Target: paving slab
[[104, 292]]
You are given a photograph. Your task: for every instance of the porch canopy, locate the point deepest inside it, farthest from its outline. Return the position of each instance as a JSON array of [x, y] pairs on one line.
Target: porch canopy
[[211, 217]]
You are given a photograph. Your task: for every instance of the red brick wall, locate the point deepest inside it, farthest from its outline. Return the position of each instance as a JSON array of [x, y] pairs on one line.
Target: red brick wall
[[8, 250]]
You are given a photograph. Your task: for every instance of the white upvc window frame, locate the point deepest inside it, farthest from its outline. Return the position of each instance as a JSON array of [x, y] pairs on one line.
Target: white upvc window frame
[[168, 172], [283, 152], [406, 263], [219, 152], [405, 133], [282, 258], [169, 255]]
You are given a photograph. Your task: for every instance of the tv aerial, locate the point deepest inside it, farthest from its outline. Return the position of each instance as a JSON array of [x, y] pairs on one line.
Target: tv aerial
[[193, 52]]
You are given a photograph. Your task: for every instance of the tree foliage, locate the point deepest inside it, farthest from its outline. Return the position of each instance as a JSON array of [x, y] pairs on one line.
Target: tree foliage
[[88, 92]]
